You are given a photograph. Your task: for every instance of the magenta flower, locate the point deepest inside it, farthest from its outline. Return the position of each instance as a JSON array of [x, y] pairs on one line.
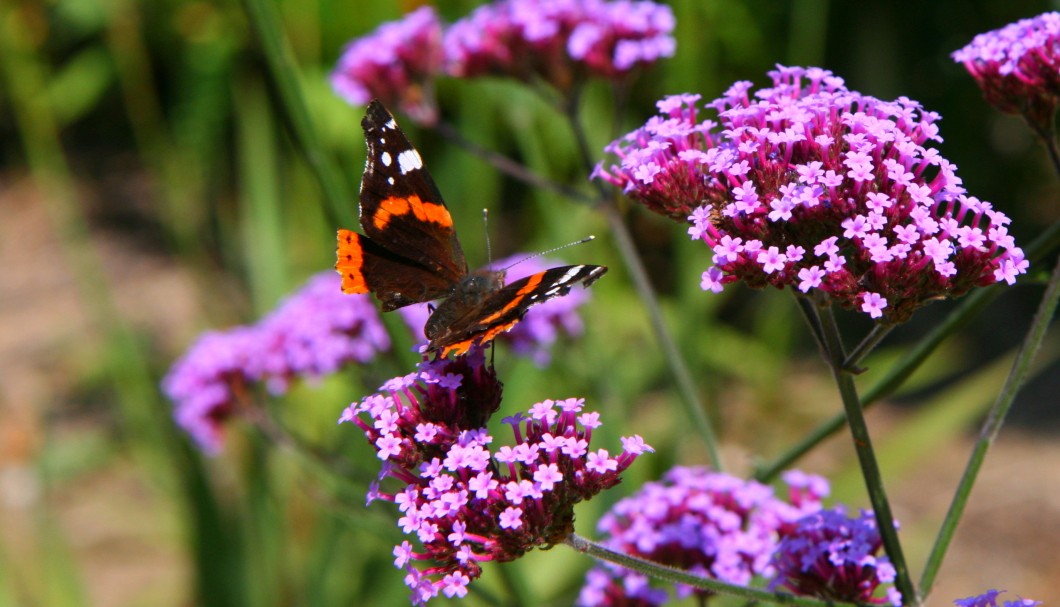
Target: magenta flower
[[544, 324], [1018, 67], [397, 64], [559, 41], [831, 556], [700, 521], [989, 599], [313, 333], [465, 500], [821, 189]]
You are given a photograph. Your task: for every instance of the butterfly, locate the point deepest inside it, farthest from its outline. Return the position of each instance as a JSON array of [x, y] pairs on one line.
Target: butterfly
[[409, 252]]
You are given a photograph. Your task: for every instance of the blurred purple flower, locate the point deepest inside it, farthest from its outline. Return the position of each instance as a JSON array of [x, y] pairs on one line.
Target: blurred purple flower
[[698, 520], [989, 599], [543, 325], [311, 334], [1018, 68], [559, 41], [818, 188], [465, 503], [397, 64], [832, 556]]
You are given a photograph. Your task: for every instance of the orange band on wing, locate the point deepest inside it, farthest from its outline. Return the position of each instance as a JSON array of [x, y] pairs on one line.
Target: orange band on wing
[[462, 347], [423, 211], [350, 261], [528, 288]]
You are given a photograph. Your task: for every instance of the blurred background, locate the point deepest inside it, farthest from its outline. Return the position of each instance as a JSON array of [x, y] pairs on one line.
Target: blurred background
[[150, 190]]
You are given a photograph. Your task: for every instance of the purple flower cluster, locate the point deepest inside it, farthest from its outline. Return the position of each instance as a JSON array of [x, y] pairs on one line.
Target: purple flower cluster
[[832, 556], [313, 333], [560, 41], [1018, 67], [701, 521], [821, 189], [989, 599], [397, 64], [465, 503], [543, 325]]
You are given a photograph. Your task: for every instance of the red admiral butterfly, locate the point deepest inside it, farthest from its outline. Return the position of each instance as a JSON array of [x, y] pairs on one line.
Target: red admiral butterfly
[[410, 253]]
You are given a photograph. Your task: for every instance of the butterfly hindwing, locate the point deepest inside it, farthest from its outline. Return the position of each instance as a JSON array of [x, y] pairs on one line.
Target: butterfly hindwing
[[397, 282], [502, 309]]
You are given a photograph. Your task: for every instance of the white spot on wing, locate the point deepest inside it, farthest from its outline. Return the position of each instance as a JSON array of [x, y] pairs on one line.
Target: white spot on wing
[[390, 124], [390, 180], [385, 157], [409, 161], [569, 276]]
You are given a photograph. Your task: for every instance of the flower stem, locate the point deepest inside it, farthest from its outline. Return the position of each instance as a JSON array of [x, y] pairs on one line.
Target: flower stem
[[678, 576], [693, 404], [508, 166], [833, 345], [992, 426], [873, 339], [283, 72]]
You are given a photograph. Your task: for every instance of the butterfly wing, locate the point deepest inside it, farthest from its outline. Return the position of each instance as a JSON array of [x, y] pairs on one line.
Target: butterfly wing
[[401, 207], [410, 252], [502, 309]]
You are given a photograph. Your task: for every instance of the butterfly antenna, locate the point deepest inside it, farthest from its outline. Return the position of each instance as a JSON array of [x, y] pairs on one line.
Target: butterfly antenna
[[553, 250], [486, 229]]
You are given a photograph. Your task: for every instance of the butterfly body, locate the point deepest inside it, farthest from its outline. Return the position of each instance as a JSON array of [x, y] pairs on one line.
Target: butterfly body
[[409, 252]]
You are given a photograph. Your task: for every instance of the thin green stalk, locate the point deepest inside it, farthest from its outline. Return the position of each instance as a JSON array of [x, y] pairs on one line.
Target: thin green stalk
[[870, 469], [678, 576], [969, 308], [623, 239], [867, 345], [686, 387], [284, 75], [992, 426]]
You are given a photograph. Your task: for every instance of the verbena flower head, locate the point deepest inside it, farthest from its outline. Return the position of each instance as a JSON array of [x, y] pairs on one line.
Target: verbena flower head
[[832, 556], [1018, 67], [465, 500], [815, 187], [705, 522], [559, 41], [311, 334], [397, 64], [989, 599], [543, 325]]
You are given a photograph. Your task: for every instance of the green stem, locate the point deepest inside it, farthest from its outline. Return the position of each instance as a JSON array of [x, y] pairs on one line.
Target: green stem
[[867, 345], [992, 426], [678, 576], [968, 309], [686, 387], [283, 73], [694, 406], [870, 469]]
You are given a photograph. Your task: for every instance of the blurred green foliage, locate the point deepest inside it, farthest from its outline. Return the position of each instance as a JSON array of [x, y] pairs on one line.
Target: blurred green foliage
[[154, 123]]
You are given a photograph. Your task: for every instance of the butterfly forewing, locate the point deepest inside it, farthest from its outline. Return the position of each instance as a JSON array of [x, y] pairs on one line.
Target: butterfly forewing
[[401, 207]]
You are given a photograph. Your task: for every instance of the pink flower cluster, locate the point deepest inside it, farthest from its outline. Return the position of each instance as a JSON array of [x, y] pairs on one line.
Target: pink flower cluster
[[397, 64], [701, 521], [560, 42], [832, 556], [809, 185], [313, 333], [1018, 67], [465, 501]]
